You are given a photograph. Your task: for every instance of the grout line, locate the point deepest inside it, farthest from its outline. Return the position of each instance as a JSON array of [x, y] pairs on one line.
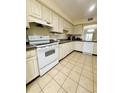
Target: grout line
[[80, 76], [81, 85], [63, 81], [62, 73], [93, 74], [40, 88]]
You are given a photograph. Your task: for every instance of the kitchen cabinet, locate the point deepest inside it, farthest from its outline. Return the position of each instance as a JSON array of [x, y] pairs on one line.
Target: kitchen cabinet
[[65, 49], [55, 22], [60, 25], [47, 15], [78, 46], [66, 25], [95, 48], [88, 47], [35, 9], [27, 13], [78, 29], [61, 54], [70, 29], [31, 65]]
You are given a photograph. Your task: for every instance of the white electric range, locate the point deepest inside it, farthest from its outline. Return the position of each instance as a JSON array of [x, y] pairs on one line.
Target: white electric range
[[47, 52]]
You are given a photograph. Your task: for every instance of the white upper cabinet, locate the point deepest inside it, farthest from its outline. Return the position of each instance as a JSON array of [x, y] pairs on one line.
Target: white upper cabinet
[[27, 13], [47, 15], [35, 9], [35, 12], [78, 29], [68, 27], [60, 25], [65, 25], [55, 22]]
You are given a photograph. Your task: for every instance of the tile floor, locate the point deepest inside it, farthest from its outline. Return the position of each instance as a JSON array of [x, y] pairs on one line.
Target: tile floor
[[74, 74]]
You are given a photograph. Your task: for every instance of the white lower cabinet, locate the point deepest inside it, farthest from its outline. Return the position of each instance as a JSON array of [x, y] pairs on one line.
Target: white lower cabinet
[[88, 47], [95, 48], [78, 46], [65, 49], [61, 51], [31, 68]]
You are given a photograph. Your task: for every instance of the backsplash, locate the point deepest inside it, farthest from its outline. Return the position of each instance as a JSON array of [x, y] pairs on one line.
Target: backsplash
[[36, 30]]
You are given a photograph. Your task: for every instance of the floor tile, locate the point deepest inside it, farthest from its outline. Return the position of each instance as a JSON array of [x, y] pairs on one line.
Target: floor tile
[[41, 92], [70, 86], [63, 62], [52, 87], [79, 65], [61, 90], [43, 81], [88, 68], [66, 71], [95, 87], [33, 88], [81, 90], [60, 78], [87, 74], [86, 83], [59, 66], [77, 69], [74, 76], [70, 66], [53, 72]]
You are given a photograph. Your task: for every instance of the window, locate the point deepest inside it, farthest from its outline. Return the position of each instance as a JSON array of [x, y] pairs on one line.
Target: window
[[88, 36]]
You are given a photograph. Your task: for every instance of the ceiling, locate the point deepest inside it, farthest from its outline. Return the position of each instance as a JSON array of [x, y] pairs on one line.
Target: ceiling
[[77, 10]]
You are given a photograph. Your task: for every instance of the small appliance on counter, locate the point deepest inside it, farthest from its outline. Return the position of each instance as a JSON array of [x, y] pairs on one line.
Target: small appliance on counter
[[71, 37]]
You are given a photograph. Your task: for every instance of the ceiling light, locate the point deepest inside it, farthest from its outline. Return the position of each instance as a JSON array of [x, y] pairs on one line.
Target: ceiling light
[[92, 8], [90, 30]]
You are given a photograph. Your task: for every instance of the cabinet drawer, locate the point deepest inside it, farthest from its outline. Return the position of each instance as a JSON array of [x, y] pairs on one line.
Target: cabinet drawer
[[30, 53]]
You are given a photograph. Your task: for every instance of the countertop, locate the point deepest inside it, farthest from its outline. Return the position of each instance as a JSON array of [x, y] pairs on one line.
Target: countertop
[[28, 46], [66, 41]]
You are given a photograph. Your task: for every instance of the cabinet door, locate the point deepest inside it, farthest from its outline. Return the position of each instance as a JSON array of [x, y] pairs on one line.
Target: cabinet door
[[78, 46], [88, 47], [78, 29], [47, 15], [60, 25], [70, 29], [65, 50], [27, 13], [60, 51], [31, 69], [65, 25], [35, 9], [95, 48], [55, 22]]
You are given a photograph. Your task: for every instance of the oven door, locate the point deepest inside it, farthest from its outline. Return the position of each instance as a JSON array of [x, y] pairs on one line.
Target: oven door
[[47, 55]]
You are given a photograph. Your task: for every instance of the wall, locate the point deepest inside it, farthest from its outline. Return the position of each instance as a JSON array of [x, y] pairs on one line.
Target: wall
[[85, 21], [37, 30]]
